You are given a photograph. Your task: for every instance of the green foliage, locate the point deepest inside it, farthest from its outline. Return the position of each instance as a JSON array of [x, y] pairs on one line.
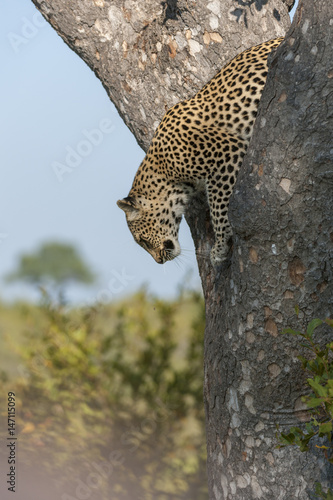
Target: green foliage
[[117, 385], [53, 261], [319, 365], [322, 494]]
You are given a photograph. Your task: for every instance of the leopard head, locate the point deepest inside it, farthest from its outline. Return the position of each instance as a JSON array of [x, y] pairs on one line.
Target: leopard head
[[154, 226]]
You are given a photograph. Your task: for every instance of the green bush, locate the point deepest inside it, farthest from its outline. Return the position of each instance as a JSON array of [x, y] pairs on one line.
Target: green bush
[[115, 392], [319, 366]]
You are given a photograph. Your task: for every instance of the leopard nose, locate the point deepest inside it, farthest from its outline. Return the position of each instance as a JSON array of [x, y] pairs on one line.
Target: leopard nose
[[168, 245]]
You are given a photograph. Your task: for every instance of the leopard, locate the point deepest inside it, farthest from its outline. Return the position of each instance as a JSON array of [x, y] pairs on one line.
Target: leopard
[[200, 144]]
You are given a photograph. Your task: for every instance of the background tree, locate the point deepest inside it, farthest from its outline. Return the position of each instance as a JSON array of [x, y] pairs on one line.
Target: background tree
[[281, 210], [53, 264]]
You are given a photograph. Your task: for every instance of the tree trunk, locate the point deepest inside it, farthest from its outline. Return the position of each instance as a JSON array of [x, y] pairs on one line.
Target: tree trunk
[[282, 218], [159, 52], [162, 52]]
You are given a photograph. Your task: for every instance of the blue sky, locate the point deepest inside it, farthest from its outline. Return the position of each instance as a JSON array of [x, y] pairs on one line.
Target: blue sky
[[50, 104]]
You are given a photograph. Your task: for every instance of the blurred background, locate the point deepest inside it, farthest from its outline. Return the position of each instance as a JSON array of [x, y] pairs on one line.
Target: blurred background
[[50, 102], [102, 347], [108, 399]]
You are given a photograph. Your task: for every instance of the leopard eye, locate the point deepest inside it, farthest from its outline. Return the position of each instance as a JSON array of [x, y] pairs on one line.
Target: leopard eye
[[145, 243]]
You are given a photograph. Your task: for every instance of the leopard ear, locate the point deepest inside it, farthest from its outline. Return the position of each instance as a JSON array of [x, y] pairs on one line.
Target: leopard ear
[[128, 205]]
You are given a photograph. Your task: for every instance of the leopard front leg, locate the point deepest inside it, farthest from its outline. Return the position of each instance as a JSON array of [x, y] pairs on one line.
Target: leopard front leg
[[218, 200], [219, 186]]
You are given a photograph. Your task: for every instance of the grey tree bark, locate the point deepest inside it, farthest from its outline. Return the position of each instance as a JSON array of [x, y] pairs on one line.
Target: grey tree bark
[[282, 219], [149, 56]]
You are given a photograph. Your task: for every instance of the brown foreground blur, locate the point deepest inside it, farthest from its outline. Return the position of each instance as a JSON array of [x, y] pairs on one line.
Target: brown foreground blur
[[108, 400]]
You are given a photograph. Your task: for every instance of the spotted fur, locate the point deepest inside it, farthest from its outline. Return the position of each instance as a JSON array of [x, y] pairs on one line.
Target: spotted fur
[[200, 143]]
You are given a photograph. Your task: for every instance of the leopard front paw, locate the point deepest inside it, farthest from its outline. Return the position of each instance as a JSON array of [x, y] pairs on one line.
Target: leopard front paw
[[219, 254]]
